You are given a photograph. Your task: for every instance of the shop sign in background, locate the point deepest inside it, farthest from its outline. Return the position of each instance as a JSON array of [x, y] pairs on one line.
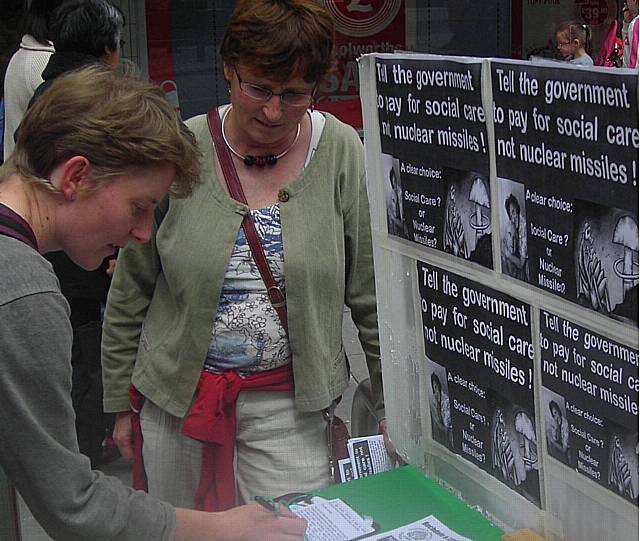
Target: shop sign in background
[[534, 21], [362, 26]]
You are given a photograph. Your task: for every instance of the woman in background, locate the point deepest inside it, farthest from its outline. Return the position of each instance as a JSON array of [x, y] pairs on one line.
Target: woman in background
[[24, 72], [232, 398]]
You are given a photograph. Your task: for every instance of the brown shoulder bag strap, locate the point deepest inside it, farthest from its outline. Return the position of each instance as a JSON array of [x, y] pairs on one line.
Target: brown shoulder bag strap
[[235, 190]]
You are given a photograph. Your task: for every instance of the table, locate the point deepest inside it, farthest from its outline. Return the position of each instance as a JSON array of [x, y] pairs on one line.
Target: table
[[404, 495]]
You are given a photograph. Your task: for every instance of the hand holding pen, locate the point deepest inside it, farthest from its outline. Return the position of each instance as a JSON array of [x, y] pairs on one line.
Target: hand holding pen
[[255, 521], [269, 505]]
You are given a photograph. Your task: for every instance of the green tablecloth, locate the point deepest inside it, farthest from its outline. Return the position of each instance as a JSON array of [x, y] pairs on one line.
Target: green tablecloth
[[404, 495]]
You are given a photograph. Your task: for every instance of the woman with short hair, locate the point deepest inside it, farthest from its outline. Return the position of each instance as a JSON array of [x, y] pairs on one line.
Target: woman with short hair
[[94, 157], [233, 390]]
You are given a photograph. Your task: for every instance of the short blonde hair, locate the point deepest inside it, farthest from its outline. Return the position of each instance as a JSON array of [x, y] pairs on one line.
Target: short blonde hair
[[118, 123]]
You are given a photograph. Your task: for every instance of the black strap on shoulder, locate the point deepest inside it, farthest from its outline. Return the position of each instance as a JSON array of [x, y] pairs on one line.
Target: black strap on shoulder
[[14, 226]]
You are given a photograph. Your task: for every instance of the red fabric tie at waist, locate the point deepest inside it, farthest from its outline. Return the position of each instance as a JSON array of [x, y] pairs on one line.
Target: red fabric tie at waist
[[212, 421]]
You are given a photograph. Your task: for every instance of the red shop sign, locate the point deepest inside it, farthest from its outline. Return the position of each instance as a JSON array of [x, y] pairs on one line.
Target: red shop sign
[[362, 26]]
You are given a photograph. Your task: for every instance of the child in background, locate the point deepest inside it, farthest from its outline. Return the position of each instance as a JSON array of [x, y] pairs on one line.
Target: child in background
[[573, 40]]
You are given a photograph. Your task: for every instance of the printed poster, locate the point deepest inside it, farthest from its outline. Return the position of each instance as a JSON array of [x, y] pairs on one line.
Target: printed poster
[[435, 154], [567, 165], [590, 398], [480, 367]]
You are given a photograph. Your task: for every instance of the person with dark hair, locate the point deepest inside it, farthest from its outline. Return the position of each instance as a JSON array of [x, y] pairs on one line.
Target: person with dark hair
[[24, 72], [84, 32], [394, 204], [441, 425], [514, 241], [558, 434], [232, 380], [573, 40], [105, 21], [70, 184]]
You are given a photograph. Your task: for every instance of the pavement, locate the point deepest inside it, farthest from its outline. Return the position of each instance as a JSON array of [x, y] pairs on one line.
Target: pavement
[[31, 530]]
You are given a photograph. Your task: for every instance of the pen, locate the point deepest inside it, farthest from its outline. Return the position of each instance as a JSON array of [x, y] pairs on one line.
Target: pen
[[268, 505]]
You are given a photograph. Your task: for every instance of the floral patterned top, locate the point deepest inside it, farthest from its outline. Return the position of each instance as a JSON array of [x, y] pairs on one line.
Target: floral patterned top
[[247, 334]]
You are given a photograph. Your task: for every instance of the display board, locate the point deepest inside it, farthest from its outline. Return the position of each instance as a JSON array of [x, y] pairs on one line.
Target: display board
[[504, 203]]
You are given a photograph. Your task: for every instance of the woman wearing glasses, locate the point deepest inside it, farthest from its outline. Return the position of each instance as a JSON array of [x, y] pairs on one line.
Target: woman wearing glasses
[[230, 392]]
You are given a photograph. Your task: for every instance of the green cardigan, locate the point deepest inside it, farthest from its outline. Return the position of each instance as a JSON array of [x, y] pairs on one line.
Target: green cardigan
[[164, 295]]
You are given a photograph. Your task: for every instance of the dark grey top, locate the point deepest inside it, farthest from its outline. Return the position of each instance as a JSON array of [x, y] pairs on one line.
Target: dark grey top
[[38, 447]]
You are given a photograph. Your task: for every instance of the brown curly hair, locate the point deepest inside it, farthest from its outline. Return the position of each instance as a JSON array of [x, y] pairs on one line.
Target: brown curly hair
[[281, 39]]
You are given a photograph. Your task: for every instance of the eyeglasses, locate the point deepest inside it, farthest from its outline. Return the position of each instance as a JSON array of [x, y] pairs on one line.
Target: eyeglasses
[[260, 93]]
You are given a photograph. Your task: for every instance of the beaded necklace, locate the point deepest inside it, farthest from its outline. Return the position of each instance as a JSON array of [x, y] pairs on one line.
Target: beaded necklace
[[250, 159]]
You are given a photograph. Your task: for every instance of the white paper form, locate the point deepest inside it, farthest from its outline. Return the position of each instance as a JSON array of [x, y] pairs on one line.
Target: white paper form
[[428, 528], [333, 520]]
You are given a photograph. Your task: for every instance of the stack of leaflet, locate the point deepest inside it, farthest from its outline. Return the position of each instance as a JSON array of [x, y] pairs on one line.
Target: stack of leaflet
[[334, 520], [367, 456]]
